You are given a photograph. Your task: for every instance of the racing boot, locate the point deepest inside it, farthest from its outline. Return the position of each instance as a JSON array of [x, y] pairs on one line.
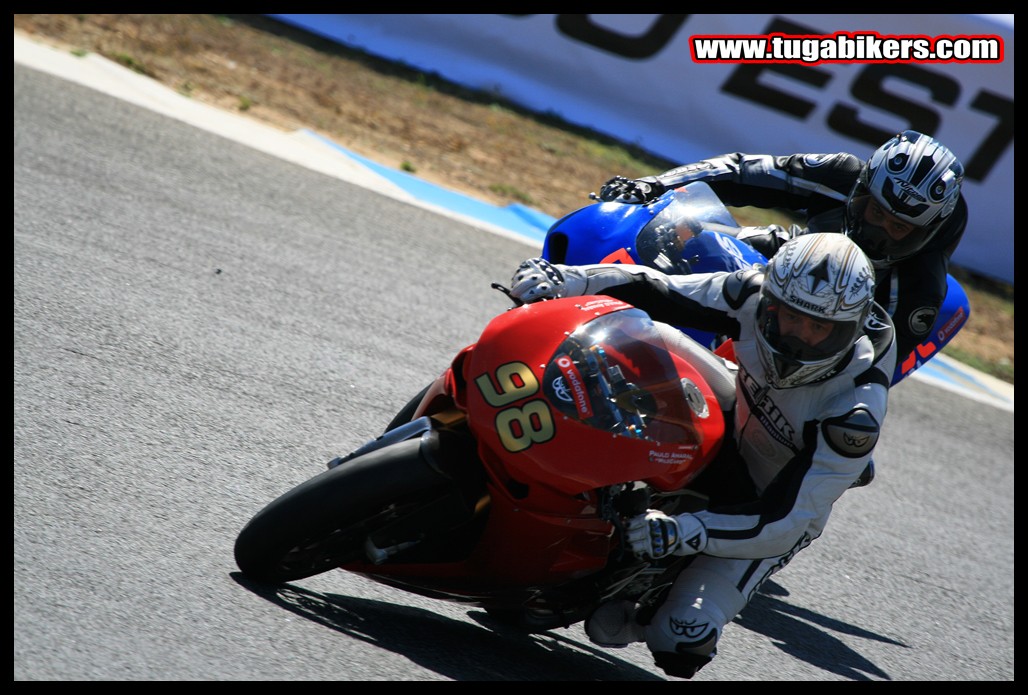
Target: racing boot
[[866, 477]]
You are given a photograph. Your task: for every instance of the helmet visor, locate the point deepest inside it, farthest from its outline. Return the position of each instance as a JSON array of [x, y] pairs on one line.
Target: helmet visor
[[879, 233], [799, 338]]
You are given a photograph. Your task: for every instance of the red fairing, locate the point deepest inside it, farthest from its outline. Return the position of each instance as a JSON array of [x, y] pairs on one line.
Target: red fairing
[[565, 397], [543, 378], [568, 403]]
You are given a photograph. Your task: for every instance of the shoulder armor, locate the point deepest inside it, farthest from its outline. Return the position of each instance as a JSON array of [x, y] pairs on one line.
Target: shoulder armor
[[849, 165], [741, 285], [852, 435]]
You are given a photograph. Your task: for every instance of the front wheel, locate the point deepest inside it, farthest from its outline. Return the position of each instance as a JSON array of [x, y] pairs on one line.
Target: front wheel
[[406, 413], [326, 521]]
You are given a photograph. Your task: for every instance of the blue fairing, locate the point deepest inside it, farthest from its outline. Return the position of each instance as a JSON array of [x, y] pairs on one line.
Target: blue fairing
[[689, 230], [669, 234], [575, 239], [955, 311], [714, 251]]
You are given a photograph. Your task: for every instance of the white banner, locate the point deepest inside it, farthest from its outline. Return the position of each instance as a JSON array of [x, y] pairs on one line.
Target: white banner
[[634, 77]]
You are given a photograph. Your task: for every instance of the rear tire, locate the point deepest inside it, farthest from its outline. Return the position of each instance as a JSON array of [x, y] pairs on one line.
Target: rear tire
[[323, 523]]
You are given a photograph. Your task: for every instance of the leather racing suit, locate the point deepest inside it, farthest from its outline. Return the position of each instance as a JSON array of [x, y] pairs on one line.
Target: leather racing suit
[[798, 450]]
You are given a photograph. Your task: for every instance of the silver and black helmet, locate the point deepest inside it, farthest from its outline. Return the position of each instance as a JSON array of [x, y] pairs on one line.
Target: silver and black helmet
[[821, 277], [912, 177]]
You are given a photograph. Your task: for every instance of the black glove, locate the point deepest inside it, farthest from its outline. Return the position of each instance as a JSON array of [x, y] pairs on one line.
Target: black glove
[[622, 190]]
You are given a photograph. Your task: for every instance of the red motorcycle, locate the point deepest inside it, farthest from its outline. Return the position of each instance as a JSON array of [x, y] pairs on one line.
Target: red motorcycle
[[505, 483]]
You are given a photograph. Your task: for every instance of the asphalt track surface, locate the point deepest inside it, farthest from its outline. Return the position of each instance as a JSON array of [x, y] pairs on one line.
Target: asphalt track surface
[[199, 326]]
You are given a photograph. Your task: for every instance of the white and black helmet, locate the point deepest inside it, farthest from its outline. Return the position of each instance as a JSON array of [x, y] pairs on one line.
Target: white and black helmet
[[825, 277], [913, 177]]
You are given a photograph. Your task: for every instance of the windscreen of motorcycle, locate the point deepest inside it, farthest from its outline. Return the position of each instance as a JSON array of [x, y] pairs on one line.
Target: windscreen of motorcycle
[[663, 243], [615, 374]]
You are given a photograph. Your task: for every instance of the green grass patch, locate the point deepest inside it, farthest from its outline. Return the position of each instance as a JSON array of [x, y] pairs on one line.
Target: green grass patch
[[507, 191]]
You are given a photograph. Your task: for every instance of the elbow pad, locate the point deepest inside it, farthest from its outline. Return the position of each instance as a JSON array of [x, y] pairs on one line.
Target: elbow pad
[[853, 435]]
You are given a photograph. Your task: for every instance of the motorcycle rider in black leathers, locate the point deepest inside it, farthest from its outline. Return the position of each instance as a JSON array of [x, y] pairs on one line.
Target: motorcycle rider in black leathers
[[814, 356], [902, 206]]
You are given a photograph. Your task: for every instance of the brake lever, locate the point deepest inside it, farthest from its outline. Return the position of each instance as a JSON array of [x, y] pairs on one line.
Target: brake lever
[[512, 298]]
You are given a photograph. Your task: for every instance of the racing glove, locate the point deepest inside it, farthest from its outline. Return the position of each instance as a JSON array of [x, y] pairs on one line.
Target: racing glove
[[537, 279], [622, 190], [656, 535]]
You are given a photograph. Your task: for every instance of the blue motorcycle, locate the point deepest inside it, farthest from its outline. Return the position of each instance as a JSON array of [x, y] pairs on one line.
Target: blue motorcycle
[[689, 230]]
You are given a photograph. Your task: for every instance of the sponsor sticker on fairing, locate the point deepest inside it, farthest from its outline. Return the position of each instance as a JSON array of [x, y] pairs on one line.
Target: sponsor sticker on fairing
[[673, 458], [575, 386]]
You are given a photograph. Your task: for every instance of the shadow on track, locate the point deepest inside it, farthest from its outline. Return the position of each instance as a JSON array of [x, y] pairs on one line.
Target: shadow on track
[[794, 630], [451, 648]]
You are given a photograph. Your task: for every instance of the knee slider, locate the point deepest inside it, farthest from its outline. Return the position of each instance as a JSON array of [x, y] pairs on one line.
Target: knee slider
[[683, 633], [688, 657], [680, 665]]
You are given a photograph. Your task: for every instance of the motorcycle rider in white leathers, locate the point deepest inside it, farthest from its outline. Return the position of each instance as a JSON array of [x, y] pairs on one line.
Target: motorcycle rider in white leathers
[[814, 356]]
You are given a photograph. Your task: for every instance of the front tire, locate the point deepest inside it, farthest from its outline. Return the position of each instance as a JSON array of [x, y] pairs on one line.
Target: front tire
[[323, 523], [406, 413]]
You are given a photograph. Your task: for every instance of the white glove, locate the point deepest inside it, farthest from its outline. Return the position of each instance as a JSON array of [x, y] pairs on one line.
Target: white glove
[[537, 279], [656, 535]]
